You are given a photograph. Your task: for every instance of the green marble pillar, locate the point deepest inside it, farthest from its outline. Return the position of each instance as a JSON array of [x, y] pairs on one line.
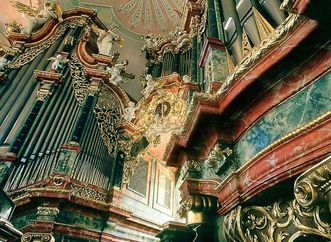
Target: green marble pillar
[[216, 66]]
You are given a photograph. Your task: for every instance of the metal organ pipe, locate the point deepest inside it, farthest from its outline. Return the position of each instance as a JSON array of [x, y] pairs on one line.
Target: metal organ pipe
[[21, 119]]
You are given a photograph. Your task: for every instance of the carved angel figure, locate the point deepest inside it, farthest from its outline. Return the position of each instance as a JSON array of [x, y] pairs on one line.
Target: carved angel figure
[[186, 79], [3, 63], [52, 9], [59, 62], [150, 83], [106, 41], [150, 43], [129, 112], [116, 72]]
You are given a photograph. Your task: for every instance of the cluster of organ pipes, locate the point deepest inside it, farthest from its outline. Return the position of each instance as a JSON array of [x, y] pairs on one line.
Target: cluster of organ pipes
[[240, 24], [247, 22], [34, 130]]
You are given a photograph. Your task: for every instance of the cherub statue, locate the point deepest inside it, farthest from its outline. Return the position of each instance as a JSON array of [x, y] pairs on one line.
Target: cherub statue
[[129, 112], [3, 63], [150, 43], [150, 83], [59, 62], [13, 27], [106, 41], [117, 71], [52, 9], [186, 79]]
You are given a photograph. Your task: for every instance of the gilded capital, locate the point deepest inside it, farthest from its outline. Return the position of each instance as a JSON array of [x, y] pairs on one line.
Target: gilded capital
[[38, 237], [197, 208], [42, 94]]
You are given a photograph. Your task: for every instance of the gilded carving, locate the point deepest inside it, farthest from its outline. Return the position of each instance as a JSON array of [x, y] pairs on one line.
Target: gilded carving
[[108, 111], [43, 94], [307, 214], [130, 165], [162, 114], [216, 159], [78, 190], [279, 222], [88, 193], [79, 81], [8, 50], [46, 211], [177, 41], [314, 186], [32, 52], [191, 165], [38, 237], [197, 208]]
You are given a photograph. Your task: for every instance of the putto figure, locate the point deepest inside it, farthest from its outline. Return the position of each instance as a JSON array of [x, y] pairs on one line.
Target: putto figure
[[52, 9], [150, 43], [59, 62], [129, 112], [117, 71], [3, 63], [106, 41], [150, 83]]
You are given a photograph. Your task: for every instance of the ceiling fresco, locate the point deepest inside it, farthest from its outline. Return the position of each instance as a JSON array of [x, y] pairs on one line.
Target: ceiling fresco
[[143, 16], [149, 16]]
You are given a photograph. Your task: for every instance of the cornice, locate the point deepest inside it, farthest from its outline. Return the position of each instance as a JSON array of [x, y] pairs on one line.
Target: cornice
[[50, 26], [285, 38], [276, 163]]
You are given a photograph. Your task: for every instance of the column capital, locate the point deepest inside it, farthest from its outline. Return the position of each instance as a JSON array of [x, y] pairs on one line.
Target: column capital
[[38, 237], [197, 208]]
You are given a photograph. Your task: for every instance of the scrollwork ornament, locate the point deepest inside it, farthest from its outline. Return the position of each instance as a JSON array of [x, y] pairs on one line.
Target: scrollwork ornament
[[108, 111], [129, 166], [40, 237], [46, 211], [88, 193], [192, 165], [279, 222], [314, 185], [79, 81]]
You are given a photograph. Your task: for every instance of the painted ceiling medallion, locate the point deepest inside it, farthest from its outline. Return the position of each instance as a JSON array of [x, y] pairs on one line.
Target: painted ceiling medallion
[[153, 15]]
